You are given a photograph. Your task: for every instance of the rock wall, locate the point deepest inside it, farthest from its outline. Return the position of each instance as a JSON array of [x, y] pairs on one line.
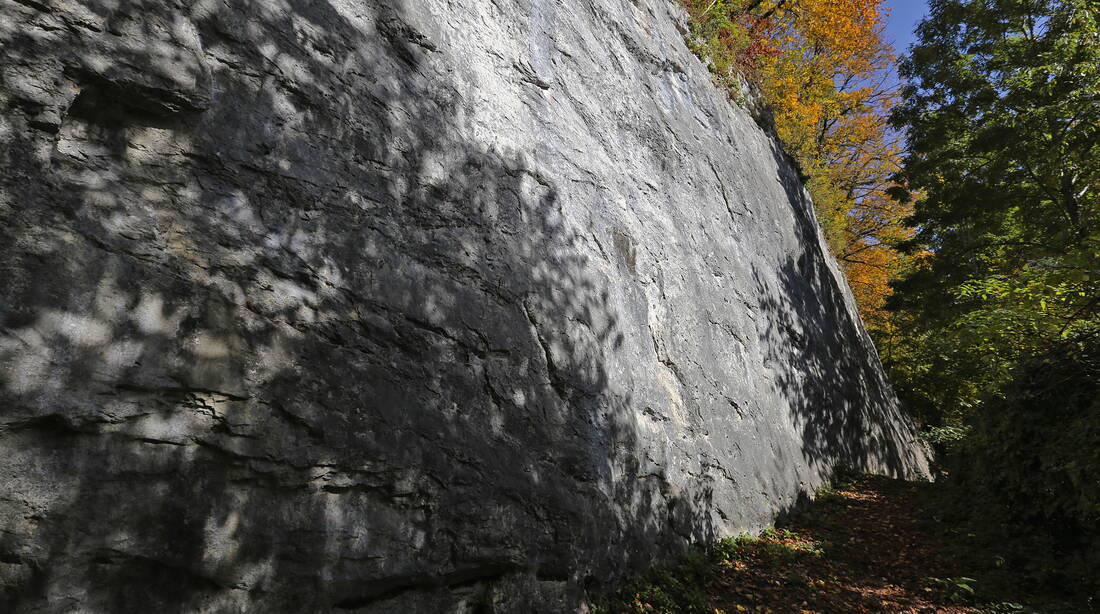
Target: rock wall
[[398, 306]]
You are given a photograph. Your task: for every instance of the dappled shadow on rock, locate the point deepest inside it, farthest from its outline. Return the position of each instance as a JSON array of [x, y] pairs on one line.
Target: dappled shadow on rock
[[823, 361], [284, 330], [279, 336]]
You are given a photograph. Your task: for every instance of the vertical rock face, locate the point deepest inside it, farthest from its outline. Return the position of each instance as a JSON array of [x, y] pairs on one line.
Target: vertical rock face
[[396, 305]]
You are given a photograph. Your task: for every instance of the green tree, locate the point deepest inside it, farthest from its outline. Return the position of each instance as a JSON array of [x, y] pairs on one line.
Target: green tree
[[1000, 319], [1002, 117]]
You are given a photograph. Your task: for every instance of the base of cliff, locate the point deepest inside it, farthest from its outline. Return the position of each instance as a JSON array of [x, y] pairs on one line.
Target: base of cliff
[[873, 544]]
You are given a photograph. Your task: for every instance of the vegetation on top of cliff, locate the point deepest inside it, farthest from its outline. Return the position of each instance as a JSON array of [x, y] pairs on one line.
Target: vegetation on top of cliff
[[825, 71]]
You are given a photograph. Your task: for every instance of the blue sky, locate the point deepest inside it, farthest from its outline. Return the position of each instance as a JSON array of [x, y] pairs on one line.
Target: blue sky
[[904, 16]]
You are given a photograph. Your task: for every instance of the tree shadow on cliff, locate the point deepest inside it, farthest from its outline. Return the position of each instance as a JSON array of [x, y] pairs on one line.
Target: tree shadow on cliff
[[823, 360], [310, 347]]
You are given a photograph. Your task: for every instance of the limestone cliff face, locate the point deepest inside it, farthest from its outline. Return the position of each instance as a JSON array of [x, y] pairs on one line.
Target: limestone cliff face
[[398, 305]]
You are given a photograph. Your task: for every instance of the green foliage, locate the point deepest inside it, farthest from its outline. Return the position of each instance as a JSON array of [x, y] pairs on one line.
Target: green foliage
[[997, 349], [667, 589], [680, 588], [1027, 476], [1002, 115], [958, 590], [829, 495], [774, 533], [723, 37], [769, 549], [944, 436]]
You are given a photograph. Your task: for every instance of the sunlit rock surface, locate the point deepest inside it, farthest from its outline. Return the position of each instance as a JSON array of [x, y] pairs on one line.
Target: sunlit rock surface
[[398, 306]]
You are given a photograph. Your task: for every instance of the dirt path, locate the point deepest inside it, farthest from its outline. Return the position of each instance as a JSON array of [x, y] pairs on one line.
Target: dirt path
[[871, 545], [862, 548]]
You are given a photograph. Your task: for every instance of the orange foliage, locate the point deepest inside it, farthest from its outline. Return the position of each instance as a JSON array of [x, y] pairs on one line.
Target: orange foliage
[[825, 70], [827, 76]]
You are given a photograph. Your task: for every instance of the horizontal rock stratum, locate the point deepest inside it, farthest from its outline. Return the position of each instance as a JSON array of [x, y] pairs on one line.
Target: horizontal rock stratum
[[399, 306]]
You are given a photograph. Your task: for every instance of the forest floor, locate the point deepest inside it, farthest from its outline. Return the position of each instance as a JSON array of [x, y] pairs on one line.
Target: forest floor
[[870, 545]]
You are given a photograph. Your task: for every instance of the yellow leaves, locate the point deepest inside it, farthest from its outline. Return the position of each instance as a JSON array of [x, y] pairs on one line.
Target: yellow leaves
[[869, 273], [830, 106], [822, 66]]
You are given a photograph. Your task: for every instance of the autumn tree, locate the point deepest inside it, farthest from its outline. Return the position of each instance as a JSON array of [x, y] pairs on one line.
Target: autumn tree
[[825, 71]]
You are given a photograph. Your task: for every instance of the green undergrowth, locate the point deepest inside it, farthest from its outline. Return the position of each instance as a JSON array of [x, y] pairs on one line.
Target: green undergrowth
[[1021, 494]]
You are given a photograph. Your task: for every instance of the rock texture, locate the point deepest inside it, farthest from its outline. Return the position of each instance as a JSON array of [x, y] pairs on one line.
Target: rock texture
[[398, 306]]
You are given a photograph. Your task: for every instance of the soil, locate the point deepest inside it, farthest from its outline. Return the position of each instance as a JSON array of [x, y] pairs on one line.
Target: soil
[[866, 547]]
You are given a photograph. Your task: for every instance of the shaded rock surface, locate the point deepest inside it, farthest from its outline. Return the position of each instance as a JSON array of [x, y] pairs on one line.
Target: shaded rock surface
[[395, 306]]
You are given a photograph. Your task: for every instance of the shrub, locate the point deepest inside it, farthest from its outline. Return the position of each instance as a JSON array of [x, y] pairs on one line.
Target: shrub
[[1030, 467]]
